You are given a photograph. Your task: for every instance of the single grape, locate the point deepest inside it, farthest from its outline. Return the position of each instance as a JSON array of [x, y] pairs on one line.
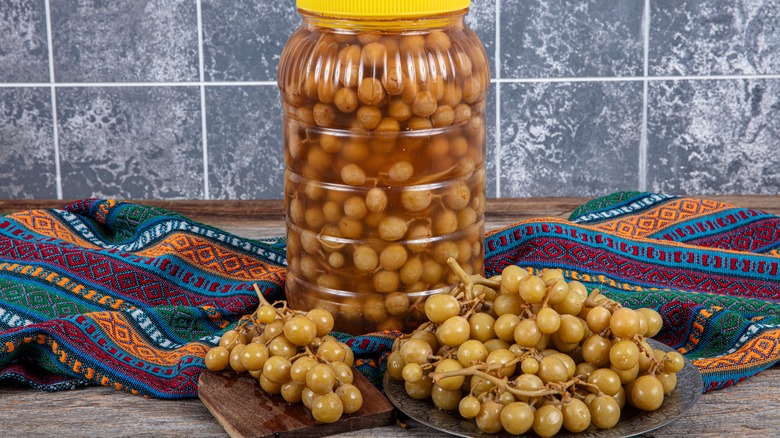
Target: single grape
[[647, 393], [308, 396], [504, 327], [331, 351], [500, 360], [551, 369], [507, 304], [668, 380], [604, 412], [532, 290], [235, 358], [281, 346], [517, 418], [327, 408], [558, 292], [441, 307], [454, 331], [489, 417], [300, 367], [595, 350], [482, 327], [624, 355], [450, 383], [230, 339], [350, 359], [674, 362], [529, 365], [598, 319], [343, 372], [253, 356], [266, 314], [416, 351], [571, 330], [322, 319], [527, 333], [567, 361], [351, 398], [273, 329], [624, 323], [277, 369], [395, 365], [218, 358], [548, 420], [469, 407], [469, 352], [292, 392], [654, 321], [419, 390], [412, 373], [606, 380], [548, 320], [320, 378], [446, 399]]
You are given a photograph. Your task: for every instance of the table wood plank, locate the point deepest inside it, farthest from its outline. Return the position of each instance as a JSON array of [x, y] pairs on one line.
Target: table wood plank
[[748, 409]]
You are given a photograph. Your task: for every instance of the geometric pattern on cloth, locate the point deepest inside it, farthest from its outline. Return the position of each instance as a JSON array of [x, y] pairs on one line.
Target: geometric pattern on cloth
[[110, 293], [711, 269]]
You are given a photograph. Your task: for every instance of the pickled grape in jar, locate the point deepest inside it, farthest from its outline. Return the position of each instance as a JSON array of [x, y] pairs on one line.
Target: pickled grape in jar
[[384, 148]]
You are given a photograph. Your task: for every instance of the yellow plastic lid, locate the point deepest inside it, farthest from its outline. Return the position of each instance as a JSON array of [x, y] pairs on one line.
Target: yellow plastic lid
[[382, 8]]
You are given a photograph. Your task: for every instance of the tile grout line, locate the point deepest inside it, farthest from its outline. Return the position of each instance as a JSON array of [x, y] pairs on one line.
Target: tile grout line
[[643, 141], [497, 62], [53, 90], [492, 81], [201, 85]]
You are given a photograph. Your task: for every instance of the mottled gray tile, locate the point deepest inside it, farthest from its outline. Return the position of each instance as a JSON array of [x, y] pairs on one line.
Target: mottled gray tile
[[26, 144], [481, 18], [245, 143], [243, 39], [571, 38], [133, 142], [714, 137], [570, 139], [24, 55], [125, 41], [714, 37]]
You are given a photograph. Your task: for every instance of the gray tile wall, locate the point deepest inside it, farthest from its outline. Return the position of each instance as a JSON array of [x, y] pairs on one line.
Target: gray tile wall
[[177, 98]]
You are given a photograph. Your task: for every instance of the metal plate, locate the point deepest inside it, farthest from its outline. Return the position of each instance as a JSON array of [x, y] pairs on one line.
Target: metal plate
[[632, 422]]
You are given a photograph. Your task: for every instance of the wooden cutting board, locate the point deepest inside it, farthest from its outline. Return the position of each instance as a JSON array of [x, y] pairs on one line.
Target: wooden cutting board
[[245, 410]]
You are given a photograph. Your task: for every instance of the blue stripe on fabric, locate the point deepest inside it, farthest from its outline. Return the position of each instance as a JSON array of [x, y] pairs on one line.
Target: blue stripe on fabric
[[632, 205], [612, 244], [710, 222], [150, 231]]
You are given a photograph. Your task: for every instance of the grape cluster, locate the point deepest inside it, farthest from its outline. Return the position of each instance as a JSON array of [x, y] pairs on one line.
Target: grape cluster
[[520, 352], [290, 353]]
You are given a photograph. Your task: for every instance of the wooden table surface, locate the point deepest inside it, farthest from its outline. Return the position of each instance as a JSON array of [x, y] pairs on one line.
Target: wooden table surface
[[750, 408]]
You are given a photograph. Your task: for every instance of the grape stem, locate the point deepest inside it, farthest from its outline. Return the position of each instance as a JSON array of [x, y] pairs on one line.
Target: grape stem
[[503, 384], [469, 281]]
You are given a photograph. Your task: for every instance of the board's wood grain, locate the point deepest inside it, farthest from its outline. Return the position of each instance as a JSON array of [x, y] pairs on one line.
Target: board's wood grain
[[748, 409], [244, 410]]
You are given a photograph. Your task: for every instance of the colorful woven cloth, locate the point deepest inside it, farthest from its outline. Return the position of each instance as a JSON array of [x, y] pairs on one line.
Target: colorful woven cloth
[[122, 295]]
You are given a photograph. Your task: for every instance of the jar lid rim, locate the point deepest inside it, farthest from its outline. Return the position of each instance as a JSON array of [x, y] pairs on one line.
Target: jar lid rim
[[382, 8]]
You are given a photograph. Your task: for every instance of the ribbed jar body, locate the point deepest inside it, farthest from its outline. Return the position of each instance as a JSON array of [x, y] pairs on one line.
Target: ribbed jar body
[[384, 147]]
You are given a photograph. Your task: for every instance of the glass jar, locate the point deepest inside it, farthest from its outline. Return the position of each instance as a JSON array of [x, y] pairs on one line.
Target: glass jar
[[384, 147]]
